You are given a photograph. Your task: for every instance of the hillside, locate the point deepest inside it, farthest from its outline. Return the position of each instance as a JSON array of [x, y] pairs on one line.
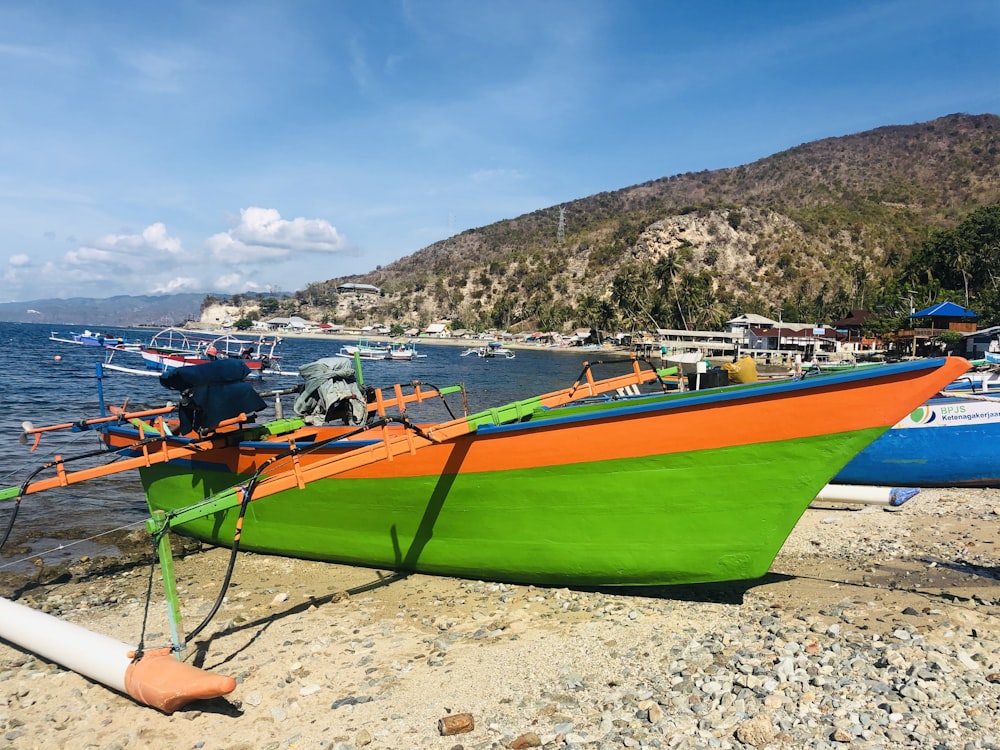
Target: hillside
[[810, 232]]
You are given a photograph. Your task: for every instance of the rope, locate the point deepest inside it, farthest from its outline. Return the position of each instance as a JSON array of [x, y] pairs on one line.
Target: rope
[[141, 646], [248, 489], [22, 490], [231, 566], [444, 402], [67, 545], [971, 396]]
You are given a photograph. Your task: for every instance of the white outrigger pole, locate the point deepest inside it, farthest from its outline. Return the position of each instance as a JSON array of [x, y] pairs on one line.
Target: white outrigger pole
[[154, 678]]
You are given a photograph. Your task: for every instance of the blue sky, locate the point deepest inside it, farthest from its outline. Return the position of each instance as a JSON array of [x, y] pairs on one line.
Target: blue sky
[[160, 147]]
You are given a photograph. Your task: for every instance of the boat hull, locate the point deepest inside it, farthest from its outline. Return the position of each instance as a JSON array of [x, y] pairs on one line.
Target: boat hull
[[89, 339], [173, 348], [664, 519], [947, 442], [161, 362], [683, 488]]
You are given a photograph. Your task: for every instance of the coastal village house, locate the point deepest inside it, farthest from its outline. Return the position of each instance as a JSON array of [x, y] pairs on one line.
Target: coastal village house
[[438, 330], [759, 337], [853, 327], [978, 343], [294, 323], [358, 289]]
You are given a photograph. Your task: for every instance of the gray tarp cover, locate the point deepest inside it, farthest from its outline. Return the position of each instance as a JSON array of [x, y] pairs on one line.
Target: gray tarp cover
[[328, 383]]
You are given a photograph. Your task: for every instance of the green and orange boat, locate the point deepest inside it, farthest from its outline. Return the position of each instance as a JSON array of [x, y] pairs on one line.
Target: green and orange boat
[[665, 488], [569, 488]]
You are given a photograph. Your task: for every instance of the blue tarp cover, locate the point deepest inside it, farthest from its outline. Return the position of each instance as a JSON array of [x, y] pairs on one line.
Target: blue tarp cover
[[212, 392]]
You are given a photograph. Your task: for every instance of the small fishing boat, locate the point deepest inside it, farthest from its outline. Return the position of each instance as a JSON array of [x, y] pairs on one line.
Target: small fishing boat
[[404, 351], [364, 349], [97, 339], [667, 488], [555, 489], [173, 348], [493, 350]]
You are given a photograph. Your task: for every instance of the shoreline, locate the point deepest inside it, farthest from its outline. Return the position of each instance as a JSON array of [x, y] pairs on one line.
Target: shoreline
[[890, 615], [444, 341]]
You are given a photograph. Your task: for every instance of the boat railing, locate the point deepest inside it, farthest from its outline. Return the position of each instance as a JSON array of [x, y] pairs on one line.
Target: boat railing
[[153, 445]]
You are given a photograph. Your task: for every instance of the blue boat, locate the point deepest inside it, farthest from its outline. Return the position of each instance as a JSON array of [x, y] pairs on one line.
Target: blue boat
[[91, 338], [949, 441]]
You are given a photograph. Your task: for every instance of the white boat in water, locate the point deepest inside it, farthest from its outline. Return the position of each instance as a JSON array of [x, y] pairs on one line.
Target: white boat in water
[[404, 351], [493, 350], [92, 338], [365, 350], [173, 348]]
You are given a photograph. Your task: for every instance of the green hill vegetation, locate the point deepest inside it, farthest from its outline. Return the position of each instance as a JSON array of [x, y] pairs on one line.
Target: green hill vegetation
[[878, 220]]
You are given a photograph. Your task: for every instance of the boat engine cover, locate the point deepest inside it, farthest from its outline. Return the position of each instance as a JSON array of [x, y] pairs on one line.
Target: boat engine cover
[[212, 393], [330, 392]]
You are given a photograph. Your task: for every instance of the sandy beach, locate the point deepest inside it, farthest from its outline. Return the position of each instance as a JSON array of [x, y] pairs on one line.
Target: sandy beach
[[875, 628]]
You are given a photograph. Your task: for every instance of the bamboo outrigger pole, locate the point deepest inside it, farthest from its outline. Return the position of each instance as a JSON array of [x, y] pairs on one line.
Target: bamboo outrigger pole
[[155, 450]]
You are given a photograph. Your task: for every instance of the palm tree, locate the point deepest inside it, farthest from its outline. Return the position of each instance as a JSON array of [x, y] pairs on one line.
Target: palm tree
[[606, 317], [630, 290], [588, 312], [961, 261], [665, 272]]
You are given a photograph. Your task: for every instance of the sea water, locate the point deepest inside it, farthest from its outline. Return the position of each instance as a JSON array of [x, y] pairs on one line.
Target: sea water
[[48, 383]]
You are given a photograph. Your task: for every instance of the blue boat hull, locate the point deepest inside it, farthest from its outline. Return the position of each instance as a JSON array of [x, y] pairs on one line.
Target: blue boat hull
[[947, 442]]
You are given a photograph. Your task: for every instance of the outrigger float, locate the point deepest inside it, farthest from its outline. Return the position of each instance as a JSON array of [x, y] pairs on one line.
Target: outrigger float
[[664, 487]]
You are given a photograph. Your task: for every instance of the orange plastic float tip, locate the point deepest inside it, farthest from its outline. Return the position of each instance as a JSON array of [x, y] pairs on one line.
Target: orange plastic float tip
[[161, 681]]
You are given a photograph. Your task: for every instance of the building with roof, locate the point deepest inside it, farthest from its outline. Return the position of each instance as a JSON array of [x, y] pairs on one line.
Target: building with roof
[[358, 289]]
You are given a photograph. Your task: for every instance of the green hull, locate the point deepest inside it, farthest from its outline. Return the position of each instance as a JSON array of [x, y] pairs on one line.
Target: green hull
[[689, 517]]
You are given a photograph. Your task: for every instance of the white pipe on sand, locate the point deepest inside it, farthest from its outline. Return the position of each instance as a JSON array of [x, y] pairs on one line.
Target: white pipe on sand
[[157, 679], [866, 494]]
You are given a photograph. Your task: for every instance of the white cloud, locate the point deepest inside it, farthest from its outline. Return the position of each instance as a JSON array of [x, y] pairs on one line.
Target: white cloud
[[235, 282], [178, 285], [135, 263], [152, 248], [263, 235], [85, 256], [153, 261]]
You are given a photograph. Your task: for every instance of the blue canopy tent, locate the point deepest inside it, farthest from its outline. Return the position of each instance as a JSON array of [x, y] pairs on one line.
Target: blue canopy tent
[[941, 316], [944, 310]]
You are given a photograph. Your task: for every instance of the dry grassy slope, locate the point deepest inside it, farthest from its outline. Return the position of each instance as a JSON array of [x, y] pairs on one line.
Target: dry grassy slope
[[832, 204]]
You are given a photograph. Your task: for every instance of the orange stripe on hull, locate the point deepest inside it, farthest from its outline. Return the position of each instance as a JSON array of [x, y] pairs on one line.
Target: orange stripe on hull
[[816, 411]]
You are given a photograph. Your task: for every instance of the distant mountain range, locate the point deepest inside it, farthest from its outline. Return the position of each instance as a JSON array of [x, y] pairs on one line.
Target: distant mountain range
[[124, 310]]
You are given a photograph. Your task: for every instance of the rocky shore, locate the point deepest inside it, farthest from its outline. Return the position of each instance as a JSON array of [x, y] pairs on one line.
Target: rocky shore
[[875, 629]]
